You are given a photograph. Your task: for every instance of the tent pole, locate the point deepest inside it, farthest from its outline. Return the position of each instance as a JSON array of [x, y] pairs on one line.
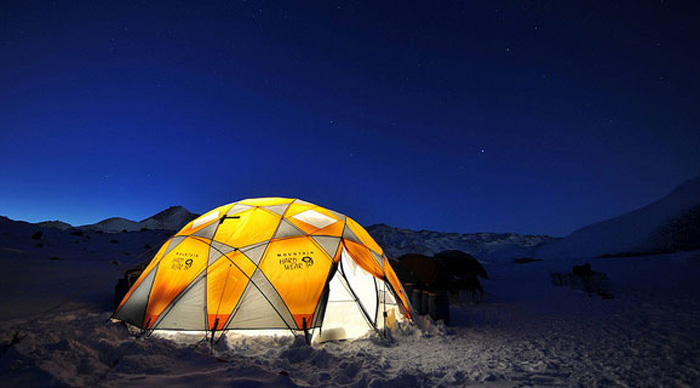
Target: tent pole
[[213, 330]]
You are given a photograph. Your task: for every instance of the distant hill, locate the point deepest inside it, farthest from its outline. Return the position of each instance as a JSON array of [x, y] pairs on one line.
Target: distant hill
[[485, 246], [55, 224], [172, 218], [669, 224]]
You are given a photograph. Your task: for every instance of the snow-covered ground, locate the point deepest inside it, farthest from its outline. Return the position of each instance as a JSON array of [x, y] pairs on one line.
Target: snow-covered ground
[[526, 333]]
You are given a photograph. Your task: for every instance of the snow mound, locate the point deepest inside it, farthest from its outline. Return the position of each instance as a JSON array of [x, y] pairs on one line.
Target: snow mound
[[637, 231]]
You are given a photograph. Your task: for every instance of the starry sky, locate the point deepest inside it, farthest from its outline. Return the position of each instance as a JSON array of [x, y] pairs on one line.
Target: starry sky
[[486, 116]]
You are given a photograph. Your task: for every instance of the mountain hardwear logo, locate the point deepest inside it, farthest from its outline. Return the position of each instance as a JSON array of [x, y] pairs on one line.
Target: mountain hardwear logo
[[290, 261], [181, 263]]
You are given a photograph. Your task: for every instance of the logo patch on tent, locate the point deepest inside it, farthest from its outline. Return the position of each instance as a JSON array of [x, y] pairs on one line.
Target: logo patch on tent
[[296, 260], [183, 261]]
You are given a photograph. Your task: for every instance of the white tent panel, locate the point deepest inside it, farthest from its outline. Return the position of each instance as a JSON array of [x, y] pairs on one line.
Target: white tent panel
[[338, 290], [343, 318], [361, 284]]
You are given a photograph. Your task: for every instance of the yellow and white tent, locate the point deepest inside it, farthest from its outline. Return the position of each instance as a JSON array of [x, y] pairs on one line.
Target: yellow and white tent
[[268, 264]]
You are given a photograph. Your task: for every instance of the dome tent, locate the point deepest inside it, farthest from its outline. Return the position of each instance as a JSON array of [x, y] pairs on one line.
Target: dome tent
[[275, 264]]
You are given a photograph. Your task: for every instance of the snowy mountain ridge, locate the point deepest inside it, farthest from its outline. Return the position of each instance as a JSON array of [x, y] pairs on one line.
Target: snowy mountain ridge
[[484, 246], [172, 218], [665, 225]]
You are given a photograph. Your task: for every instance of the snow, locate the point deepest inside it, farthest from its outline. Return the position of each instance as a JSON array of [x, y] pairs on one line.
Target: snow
[[630, 232], [56, 300], [527, 332]]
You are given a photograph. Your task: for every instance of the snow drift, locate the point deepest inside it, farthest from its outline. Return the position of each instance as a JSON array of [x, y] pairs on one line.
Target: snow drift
[[644, 230]]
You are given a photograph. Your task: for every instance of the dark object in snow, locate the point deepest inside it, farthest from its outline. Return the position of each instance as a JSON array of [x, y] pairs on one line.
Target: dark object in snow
[[424, 302], [16, 338], [584, 278], [417, 301], [449, 271], [38, 235], [418, 269], [526, 260], [124, 284], [583, 271], [77, 233], [54, 258], [461, 263], [114, 241], [439, 306], [461, 271]]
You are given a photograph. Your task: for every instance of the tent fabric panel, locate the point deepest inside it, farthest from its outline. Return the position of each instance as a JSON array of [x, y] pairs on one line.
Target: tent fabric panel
[[348, 235], [207, 231], [133, 308], [156, 259], [337, 215], [312, 219], [339, 291], [188, 311], [362, 284], [343, 320], [296, 207], [253, 226], [335, 229], [255, 312], [379, 259], [217, 250], [315, 218], [279, 209], [203, 220], [176, 271], [329, 244], [255, 253], [237, 208], [287, 229], [266, 201], [343, 317], [364, 258], [298, 269], [225, 285], [397, 287], [363, 235], [173, 243], [272, 295], [206, 219]]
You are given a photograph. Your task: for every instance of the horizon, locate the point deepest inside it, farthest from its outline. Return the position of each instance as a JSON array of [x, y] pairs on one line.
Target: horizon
[[530, 118], [198, 213]]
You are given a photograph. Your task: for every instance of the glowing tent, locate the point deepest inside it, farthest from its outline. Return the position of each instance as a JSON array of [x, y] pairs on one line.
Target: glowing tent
[[268, 264]]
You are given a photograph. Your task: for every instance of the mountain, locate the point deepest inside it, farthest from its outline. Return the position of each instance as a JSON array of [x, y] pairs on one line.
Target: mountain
[[172, 218], [55, 224], [485, 246], [669, 224]]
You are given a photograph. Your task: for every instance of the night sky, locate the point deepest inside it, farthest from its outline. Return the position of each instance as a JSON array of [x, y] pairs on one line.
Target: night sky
[[528, 117]]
